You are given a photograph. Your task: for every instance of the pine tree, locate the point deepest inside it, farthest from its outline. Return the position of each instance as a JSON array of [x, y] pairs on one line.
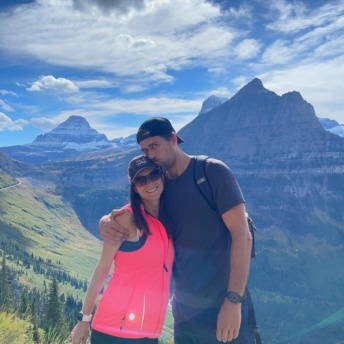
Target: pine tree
[[54, 315], [25, 304], [6, 293]]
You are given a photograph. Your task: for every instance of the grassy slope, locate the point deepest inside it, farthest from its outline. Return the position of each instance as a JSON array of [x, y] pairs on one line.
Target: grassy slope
[[6, 180], [45, 226]]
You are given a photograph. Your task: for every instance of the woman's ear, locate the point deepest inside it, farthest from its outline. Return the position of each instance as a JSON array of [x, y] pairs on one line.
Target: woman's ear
[[134, 188]]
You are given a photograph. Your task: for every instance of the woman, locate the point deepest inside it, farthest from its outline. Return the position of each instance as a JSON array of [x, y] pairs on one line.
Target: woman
[[134, 304]]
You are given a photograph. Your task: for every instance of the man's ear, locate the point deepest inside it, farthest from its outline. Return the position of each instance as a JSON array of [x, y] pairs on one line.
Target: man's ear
[[174, 138]]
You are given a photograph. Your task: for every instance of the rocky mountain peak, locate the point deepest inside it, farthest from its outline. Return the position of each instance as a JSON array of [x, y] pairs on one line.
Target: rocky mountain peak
[[75, 129], [66, 141], [253, 86], [332, 126], [211, 103], [257, 122]]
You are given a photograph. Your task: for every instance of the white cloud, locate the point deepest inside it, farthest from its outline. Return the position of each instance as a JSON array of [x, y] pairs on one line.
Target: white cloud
[[95, 83], [217, 70], [44, 123], [296, 16], [7, 123], [4, 93], [5, 106], [189, 33], [119, 7], [248, 48], [128, 42], [149, 106], [280, 52], [75, 99], [51, 83]]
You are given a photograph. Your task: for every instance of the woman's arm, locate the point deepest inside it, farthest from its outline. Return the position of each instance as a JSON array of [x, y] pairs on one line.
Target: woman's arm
[[81, 330]]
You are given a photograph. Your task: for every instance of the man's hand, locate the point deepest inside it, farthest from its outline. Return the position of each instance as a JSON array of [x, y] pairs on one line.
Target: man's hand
[[228, 321], [110, 230]]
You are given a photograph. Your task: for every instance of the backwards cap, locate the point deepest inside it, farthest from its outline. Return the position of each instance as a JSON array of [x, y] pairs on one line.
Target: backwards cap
[[156, 126]]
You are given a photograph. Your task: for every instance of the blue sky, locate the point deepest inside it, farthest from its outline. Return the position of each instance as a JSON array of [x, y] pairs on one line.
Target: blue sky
[[118, 62]]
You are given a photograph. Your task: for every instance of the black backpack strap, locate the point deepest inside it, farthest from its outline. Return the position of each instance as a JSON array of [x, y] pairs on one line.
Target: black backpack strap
[[252, 318], [201, 180], [252, 228]]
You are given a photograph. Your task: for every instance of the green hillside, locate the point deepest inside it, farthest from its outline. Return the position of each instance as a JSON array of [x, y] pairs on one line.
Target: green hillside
[[6, 180], [36, 225]]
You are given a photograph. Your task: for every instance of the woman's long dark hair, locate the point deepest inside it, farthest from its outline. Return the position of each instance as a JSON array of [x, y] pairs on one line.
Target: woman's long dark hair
[[136, 203]]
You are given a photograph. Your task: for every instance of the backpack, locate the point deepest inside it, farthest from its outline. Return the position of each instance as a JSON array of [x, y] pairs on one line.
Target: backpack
[[203, 186]]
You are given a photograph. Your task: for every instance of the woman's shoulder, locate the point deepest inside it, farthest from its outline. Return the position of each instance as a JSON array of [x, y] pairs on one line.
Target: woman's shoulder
[[125, 219]]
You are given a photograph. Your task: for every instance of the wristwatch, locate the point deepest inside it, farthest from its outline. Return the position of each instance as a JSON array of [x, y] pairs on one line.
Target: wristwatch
[[83, 317], [234, 297]]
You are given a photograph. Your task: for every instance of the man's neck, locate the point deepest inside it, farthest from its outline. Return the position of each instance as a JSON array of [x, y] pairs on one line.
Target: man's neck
[[180, 165]]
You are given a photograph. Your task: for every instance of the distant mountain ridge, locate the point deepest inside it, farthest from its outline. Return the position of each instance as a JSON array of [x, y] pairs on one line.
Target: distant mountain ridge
[[332, 126], [69, 140], [75, 139]]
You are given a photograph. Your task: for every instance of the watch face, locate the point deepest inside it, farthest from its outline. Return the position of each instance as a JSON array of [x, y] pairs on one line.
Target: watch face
[[234, 297], [79, 317]]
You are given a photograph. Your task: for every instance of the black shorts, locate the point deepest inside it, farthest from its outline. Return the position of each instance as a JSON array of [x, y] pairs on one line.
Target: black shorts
[[103, 338], [198, 326]]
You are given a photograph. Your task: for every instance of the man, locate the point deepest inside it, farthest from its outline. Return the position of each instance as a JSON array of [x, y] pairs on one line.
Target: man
[[212, 249]]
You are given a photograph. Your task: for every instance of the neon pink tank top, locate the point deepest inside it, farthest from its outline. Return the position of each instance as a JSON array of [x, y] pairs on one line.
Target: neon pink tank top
[[135, 301]]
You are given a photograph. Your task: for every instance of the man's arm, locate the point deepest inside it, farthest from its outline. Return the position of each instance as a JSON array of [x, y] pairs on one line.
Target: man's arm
[[110, 230], [229, 318]]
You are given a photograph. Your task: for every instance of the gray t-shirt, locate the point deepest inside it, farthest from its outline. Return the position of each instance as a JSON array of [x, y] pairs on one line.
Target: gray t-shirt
[[201, 239]]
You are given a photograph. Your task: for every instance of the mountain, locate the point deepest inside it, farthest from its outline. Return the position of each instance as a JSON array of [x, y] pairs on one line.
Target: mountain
[[14, 167], [328, 123], [75, 133], [73, 138], [291, 172], [256, 124], [332, 126], [126, 142], [211, 103]]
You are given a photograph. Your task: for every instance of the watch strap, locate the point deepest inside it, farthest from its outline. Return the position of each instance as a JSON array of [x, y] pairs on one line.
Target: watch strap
[[84, 317], [235, 297]]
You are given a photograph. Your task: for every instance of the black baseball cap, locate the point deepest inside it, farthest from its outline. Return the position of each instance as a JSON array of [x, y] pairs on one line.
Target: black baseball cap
[[156, 126], [140, 163]]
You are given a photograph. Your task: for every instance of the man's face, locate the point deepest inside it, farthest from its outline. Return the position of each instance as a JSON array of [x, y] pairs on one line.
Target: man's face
[[159, 150]]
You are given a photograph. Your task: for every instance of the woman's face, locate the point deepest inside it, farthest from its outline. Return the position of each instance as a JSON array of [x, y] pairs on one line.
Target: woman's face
[[149, 184]]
